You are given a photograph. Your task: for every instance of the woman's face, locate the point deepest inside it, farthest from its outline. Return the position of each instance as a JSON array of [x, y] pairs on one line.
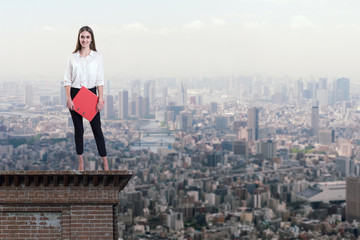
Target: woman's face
[[85, 39]]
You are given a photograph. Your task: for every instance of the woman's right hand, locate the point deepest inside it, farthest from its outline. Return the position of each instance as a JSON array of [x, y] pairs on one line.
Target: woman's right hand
[[70, 104]]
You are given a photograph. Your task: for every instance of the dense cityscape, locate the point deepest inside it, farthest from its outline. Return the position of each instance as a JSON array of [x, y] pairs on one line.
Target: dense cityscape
[[213, 158]]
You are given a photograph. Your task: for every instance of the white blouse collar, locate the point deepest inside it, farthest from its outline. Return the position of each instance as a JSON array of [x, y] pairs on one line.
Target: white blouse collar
[[91, 54]]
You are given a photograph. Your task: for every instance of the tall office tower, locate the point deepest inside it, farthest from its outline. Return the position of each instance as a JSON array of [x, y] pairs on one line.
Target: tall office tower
[[140, 110], [325, 137], [253, 124], [322, 83], [344, 165], [352, 199], [315, 121], [108, 88], [109, 107], [133, 107], [147, 86], [152, 95], [183, 95], [123, 104], [300, 88], [193, 100], [342, 89], [200, 100], [135, 88], [266, 149], [322, 94], [29, 98], [213, 107], [315, 91], [149, 97], [62, 94], [164, 95], [174, 111], [323, 97], [186, 121], [146, 101], [310, 88]]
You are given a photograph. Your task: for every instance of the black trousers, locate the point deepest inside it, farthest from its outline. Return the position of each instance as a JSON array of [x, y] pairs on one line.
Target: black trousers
[[79, 128]]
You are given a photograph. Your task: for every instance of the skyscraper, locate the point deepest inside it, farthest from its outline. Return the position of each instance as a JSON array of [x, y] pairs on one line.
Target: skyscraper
[[352, 199], [123, 104], [109, 107], [173, 111], [315, 121], [147, 86], [146, 106], [310, 86], [139, 107], [108, 88], [183, 95], [62, 94], [135, 88], [153, 94], [325, 137], [323, 83], [266, 149], [342, 89], [164, 95], [186, 121], [344, 165], [300, 89], [323, 97], [253, 124], [29, 98], [133, 107]]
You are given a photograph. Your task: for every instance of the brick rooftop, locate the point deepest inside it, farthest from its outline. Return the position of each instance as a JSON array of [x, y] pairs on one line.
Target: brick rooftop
[[60, 204]]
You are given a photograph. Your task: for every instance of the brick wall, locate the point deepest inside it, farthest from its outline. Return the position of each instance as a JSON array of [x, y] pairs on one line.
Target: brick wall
[[36, 225], [60, 205]]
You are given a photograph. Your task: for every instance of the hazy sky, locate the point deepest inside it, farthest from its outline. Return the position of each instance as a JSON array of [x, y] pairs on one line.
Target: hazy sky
[[185, 37]]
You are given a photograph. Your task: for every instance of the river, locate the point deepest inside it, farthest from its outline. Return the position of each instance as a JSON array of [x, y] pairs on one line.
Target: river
[[153, 141]]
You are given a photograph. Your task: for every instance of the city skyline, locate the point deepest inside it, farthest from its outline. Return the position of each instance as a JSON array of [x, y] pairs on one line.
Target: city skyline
[[251, 154], [185, 38]]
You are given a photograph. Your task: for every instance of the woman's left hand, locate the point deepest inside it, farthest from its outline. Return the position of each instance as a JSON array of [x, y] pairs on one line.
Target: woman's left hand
[[100, 104]]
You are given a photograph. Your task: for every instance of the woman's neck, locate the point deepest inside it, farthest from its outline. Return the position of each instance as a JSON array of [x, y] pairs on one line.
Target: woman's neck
[[85, 51]]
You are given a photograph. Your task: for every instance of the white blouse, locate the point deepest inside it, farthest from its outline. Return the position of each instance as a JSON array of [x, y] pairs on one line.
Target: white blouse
[[87, 72]]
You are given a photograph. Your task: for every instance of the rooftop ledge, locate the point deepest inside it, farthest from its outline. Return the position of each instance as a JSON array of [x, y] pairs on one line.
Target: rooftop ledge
[[116, 178]]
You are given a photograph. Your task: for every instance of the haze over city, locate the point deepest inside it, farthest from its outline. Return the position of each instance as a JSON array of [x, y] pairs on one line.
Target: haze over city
[[185, 38], [238, 119]]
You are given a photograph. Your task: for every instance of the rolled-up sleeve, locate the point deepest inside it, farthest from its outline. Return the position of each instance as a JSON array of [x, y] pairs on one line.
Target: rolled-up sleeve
[[67, 76], [100, 72]]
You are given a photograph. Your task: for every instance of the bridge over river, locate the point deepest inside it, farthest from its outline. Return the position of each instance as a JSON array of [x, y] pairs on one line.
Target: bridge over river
[[152, 131], [153, 136], [155, 142]]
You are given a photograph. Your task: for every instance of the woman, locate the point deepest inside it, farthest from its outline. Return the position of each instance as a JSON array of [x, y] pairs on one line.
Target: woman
[[85, 68]]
